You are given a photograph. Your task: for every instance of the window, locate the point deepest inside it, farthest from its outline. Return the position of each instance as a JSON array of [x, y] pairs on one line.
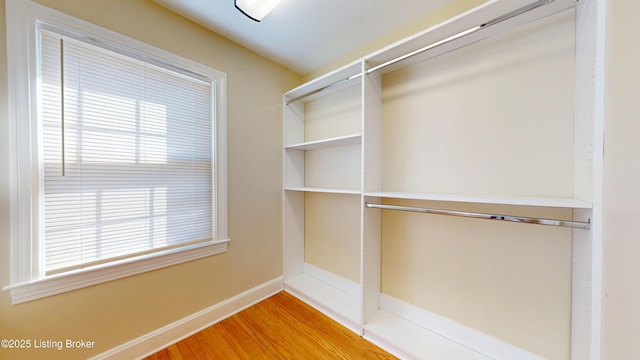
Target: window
[[128, 143]]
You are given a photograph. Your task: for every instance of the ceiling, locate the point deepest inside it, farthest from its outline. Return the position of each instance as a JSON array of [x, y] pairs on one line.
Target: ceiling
[[305, 35]]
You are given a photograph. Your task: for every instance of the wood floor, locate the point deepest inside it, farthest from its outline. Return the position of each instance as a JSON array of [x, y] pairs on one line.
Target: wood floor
[[280, 327]]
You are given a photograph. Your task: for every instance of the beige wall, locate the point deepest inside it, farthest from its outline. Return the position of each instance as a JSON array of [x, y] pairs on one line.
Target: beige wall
[[621, 290], [116, 312], [332, 233]]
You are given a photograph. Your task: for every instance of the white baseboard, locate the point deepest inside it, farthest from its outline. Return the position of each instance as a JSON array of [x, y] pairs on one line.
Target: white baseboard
[[168, 335]]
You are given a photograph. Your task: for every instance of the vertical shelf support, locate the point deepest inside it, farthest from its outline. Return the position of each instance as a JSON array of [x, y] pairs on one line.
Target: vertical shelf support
[[371, 181], [587, 246]]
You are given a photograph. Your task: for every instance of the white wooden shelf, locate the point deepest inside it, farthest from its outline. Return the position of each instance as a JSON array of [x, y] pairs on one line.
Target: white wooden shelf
[[327, 143], [314, 89], [409, 331], [324, 190], [482, 199], [333, 302], [410, 341], [460, 31]]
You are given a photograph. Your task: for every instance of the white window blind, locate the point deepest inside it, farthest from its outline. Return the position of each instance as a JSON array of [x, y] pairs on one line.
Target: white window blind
[[127, 153]]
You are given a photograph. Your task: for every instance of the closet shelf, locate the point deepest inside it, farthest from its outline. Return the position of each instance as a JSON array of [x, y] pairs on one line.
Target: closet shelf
[[324, 190], [408, 340], [326, 143], [569, 203], [342, 78], [493, 17], [480, 23]]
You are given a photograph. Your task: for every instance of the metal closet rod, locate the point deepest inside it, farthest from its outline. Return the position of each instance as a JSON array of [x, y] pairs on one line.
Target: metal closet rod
[[449, 39], [519, 219]]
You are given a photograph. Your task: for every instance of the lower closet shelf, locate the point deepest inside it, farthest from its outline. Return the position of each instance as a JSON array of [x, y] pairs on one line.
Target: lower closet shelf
[[410, 341], [335, 303], [430, 336]]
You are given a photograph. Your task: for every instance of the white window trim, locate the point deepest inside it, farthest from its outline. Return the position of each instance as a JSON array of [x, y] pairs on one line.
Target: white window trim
[[27, 282]]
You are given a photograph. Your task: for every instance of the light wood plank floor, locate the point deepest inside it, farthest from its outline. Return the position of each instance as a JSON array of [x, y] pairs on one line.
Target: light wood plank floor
[[280, 327]]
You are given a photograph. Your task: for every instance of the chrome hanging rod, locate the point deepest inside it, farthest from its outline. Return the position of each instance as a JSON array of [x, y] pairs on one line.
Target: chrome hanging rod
[[337, 83], [519, 219], [459, 35]]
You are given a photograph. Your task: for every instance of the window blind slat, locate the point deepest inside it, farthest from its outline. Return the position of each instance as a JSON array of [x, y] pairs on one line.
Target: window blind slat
[[138, 157]]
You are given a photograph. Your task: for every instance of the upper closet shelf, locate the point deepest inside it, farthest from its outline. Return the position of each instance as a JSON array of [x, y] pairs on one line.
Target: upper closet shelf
[[327, 143], [486, 20], [491, 18], [346, 76], [481, 199], [323, 190]]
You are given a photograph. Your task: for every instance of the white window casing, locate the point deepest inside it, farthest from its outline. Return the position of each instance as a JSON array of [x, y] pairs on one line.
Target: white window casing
[[118, 155]]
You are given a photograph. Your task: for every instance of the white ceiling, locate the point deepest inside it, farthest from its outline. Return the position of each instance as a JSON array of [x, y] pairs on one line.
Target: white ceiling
[[304, 35]]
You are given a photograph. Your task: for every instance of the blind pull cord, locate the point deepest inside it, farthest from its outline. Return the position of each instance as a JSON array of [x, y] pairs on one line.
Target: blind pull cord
[[62, 163]]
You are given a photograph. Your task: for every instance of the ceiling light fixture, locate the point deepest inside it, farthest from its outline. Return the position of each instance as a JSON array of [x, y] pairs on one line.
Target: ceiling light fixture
[[256, 10]]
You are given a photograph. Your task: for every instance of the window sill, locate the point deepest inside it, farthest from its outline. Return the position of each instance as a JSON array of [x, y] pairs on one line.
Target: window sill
[[57, 284]]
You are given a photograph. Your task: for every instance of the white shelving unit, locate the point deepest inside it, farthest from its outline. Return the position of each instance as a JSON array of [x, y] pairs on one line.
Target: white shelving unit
[[350, 164], [326, 151]]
